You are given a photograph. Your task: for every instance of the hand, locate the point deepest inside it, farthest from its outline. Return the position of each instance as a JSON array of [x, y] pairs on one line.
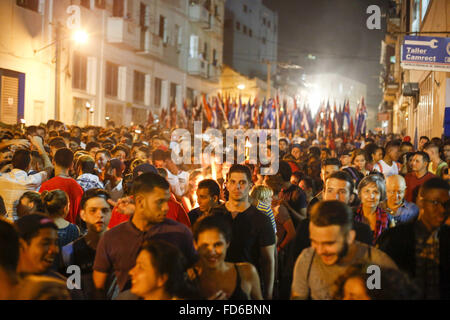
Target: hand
[[219, 295], [21, 143], [124, 205], [36, 141]]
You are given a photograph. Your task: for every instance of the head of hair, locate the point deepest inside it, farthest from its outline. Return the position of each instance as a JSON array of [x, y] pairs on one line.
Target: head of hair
[[215, 221], [358, 152], [28, 226], [105, 152], [212, 186], [64, 158], [431, 145], [396, 284], [9, 247], [392, 144], [425, 156], [162, 172], [434, 183], [285, 171], [437, 141], [21, 159], [379, 182], [146, 182], [261, 193], [57, 142], [331, 162], [294, 196], [159, 154], [371, 149], [121, 147], [93, 193], [406, 143], [35, 198], [168, 260], [424, 138], [92, 144], [54, 202], [330, 213], [241, 169], [87, 164]]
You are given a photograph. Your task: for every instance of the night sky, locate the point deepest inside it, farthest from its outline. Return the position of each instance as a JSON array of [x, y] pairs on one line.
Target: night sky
[[335, 31]]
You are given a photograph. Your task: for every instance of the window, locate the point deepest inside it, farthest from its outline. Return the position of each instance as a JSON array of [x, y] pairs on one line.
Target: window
[[264, 40], [264, 21], [143, 16], [245, 8], [238, 26], [118, 8], [244, 29], [100, 4], [112, 76], [268, 24], [79, 72], [205, 51], [139, 87], [194, 46], [250, 33], [158, 88], [162, 24], [214, 56], [86, 3], [416, 16], [173, 93], [29, 4]]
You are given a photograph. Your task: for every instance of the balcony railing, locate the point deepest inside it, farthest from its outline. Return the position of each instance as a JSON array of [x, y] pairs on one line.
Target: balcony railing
[[198, 13], [123, 32], [198, 67], [151, 44]]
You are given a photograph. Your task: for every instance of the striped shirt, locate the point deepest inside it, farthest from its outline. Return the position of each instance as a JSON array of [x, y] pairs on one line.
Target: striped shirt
[[267, 210]]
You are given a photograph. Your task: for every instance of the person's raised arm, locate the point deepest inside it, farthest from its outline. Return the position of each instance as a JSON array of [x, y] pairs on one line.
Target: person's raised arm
[[37, 142]]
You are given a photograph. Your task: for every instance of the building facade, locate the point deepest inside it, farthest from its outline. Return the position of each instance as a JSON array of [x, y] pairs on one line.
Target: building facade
[[250, 38], [140, 56], [414, 101]]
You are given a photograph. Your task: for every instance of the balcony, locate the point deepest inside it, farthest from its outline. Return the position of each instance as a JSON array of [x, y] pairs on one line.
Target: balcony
[[198, 14], [214, 72], [151, 45], [214, 27], [123, 33], [198, 67]]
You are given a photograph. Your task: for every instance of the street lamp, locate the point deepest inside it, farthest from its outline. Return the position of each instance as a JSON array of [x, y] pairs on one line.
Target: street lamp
[[78, 36], [88, 108], [241, 86]]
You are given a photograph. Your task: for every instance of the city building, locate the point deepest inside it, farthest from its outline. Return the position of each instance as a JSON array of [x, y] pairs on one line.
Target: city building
[[138, 56], [250, 38], [414, 101]]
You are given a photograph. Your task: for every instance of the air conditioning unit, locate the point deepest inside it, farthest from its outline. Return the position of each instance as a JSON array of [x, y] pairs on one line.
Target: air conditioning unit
[[410, 89]]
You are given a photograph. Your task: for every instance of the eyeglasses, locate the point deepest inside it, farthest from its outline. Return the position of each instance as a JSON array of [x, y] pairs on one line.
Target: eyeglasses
[[436, 203]]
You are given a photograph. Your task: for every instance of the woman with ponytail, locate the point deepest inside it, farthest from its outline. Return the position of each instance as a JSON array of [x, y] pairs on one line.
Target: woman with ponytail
[[56, 204]]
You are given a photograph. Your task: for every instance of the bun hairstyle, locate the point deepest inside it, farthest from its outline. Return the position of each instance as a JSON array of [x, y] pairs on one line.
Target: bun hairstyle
[[54, 202]]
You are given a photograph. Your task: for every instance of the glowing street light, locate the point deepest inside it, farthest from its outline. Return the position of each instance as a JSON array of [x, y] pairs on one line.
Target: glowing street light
[[80, 36], [241, 86]]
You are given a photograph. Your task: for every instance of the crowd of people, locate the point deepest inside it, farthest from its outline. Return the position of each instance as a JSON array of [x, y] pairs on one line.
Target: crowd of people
[[109, 211]]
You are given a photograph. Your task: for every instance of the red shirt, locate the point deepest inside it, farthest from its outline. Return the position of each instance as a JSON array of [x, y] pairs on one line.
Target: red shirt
[[413, 184], [73, 190], [176, 212]]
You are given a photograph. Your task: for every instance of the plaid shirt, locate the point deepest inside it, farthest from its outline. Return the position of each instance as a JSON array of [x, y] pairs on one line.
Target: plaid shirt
[[382, 221], [427, 262]]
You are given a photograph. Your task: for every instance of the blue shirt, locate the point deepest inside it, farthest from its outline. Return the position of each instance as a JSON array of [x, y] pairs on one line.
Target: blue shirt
[[267, 210], [408, 212]]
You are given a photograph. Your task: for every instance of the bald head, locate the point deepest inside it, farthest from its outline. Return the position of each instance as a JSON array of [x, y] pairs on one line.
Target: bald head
[[395, 190]]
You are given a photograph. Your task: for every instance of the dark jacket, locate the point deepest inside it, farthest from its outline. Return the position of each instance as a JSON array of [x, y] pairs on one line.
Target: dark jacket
[[399, 243]]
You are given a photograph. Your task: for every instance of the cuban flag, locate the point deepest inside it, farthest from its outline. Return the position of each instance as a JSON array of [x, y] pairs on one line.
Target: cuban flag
[[346, 117]]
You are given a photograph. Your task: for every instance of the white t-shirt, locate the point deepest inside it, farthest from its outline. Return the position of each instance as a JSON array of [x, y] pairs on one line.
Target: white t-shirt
[[385, 169], [14, 184], [178, 183]]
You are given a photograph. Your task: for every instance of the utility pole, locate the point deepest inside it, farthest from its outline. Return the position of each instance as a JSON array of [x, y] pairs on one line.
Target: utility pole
[[57, 70]]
